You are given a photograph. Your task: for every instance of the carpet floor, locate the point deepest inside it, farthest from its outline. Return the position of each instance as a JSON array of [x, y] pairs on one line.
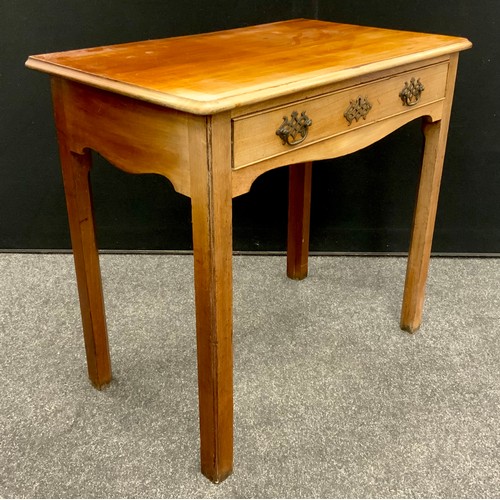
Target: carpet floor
[[331, 398]]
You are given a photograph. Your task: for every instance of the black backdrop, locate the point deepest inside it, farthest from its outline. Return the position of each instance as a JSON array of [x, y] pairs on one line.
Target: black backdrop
[[361, 203]]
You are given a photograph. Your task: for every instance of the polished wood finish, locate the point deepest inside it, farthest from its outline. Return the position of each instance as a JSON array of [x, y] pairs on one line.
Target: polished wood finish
[[75, 172], [203, 111], [299, 215], [335, 146], [213, 72], [425, 210], [254, 135], [210, 141], [135, 136]]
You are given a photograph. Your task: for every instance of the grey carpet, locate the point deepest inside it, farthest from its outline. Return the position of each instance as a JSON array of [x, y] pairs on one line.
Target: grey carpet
[[331, 398]]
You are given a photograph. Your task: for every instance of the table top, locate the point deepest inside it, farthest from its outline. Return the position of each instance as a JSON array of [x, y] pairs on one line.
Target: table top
[[213, 72]]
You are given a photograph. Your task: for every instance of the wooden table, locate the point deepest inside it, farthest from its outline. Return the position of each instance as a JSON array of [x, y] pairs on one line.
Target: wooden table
[[211, 113]]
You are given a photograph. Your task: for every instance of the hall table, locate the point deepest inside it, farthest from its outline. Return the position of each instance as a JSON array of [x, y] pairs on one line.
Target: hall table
[[212, 112]]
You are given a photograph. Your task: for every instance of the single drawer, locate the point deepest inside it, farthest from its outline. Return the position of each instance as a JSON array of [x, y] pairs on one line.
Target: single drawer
[[277, 131]]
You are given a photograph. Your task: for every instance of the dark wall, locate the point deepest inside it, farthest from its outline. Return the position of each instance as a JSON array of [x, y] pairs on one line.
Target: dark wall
[[374, 213], [362, 202]]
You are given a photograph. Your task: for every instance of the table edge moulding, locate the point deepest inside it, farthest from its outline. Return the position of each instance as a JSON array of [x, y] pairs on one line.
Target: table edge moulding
[[212, 112]]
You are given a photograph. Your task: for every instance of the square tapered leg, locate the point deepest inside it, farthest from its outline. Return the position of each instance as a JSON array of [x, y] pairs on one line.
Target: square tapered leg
[[299, 214]]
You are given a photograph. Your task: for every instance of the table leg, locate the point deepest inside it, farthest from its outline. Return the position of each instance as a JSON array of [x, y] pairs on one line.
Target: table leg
[[299, 214], [436, 134], [423, 228], [76, 169], [212, 242]]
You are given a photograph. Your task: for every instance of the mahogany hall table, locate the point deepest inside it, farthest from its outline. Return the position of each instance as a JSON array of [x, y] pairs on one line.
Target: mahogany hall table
[[211, 113]]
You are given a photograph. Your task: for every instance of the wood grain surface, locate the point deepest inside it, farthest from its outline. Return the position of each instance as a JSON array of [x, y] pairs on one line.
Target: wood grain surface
[[99, 103], [212, 72], [424, 218], [255, 138], [299, 218]]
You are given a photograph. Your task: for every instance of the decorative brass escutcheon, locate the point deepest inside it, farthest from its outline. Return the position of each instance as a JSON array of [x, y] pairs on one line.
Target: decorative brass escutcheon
[[357, 109], [411, 92], [293, 127]]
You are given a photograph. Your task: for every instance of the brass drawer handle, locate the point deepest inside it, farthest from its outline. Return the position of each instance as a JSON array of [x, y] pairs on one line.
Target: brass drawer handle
[[296, 126], [357, 109], [411, 92]]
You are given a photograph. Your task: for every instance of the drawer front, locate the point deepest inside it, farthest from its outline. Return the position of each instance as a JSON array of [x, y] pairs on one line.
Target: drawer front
[[278, 131]]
